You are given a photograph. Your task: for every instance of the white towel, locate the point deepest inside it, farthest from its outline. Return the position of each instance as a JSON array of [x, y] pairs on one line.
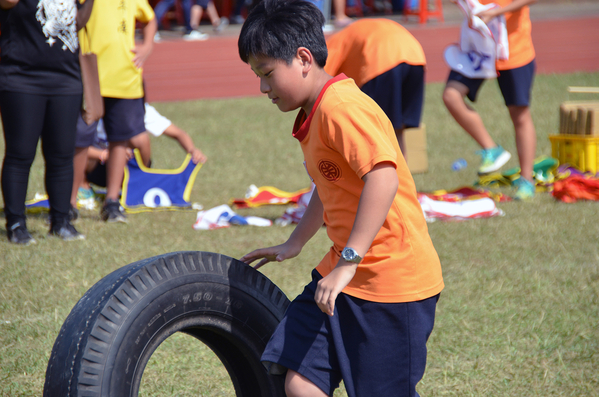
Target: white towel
[[480, 44]]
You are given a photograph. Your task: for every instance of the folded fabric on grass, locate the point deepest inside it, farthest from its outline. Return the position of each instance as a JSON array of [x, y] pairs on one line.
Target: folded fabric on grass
[[458, 210], [223, 216], [576, 186], [266, 195]]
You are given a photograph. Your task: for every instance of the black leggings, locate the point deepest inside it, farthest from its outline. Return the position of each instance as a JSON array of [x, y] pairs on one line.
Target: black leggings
[[26, 118]]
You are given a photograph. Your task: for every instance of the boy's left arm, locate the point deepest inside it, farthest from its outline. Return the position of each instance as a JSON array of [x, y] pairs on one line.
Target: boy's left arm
[[176, 133], [143, 50], [380, 187]]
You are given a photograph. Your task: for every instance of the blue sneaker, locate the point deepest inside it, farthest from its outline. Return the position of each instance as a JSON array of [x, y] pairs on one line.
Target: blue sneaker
[[492, 159], [84, 194], [525, 190]]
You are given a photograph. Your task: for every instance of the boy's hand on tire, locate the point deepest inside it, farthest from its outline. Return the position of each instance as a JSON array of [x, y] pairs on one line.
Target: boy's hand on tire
[[277, 253]]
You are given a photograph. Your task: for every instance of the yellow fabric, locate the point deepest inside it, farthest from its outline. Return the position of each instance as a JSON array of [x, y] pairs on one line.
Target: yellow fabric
[[111, 30], [343, 138], [370, 47]]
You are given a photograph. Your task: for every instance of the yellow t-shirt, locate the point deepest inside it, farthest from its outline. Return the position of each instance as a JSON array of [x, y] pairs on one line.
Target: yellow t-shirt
[[111, 30], [370, 47], [519, 36], [343, 138]]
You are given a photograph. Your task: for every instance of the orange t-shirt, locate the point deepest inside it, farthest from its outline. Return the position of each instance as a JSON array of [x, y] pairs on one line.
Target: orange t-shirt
[[519, 28], [342, 139], [370, 47]]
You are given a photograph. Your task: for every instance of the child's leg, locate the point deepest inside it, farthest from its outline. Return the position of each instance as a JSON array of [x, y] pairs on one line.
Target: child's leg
[[123, 119], [86, 134], [117, 160], [297, 385], [142, 143], [213, 14], [526, 138], [195, 16], [79, 165], [341, 19], [516, 86], [467, 118]]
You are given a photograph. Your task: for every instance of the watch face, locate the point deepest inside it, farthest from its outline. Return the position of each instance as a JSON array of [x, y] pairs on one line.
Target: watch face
[[349, 254]]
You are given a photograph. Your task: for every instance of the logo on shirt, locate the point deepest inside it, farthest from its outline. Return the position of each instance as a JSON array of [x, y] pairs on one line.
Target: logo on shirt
[[329, 170], [58, 20]]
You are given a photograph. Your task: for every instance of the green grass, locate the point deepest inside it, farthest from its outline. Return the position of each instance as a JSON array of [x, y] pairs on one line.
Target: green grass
[[518, 317]]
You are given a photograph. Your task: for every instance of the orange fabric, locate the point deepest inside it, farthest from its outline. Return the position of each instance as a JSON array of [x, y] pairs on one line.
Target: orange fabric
[[370, 47], [575, 188], [519, 29], [343, 138]]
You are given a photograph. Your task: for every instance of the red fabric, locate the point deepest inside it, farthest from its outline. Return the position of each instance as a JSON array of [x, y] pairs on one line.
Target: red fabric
[[466, 193], [576, 188]]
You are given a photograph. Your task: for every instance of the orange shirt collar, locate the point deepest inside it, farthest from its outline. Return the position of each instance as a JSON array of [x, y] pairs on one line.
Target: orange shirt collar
[[302, 124]]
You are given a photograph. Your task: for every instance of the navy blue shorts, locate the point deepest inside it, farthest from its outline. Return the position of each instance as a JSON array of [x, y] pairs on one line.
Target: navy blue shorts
[[400, 93], [201, 3], [123, 118], [86, 134], [378, 349], [515, 84]]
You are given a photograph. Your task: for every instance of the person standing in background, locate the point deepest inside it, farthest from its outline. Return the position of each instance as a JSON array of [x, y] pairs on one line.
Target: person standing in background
[[516, 75], [111, 30], [40, 96], [387, 63]]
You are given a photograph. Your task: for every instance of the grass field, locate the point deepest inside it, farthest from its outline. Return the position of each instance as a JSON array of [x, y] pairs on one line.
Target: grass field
[[519, 315]]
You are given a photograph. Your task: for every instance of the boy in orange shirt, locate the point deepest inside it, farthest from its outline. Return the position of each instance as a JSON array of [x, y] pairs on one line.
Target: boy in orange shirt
[[515, 79], [369, 310], [387, 63]]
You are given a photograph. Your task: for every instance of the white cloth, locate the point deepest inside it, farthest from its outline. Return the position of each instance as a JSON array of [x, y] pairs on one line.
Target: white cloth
[[155, 122], [466, 209], [293, 214], [480, 44], [223, 216]]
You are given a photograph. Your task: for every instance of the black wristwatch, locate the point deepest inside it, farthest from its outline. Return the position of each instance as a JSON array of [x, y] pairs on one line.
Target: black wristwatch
[[350, 255]]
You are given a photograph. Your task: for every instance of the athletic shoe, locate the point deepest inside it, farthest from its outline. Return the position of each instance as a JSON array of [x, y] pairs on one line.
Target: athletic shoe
[[222, 24], [18, 234], [157, 38], [73, 214], [84, 194], [237, 20], [195, 35], [65, 231], [492, 159], [525, 189], [112, 212]]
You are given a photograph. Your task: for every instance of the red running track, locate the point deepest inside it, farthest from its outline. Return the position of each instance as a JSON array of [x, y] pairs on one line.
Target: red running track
[[179, 70]]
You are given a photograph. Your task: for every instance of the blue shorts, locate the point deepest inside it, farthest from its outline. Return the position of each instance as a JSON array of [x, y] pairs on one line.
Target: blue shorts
[[515, 84], [378, 349], [123, 118], [86, 134], [201, 3], [400, 93]]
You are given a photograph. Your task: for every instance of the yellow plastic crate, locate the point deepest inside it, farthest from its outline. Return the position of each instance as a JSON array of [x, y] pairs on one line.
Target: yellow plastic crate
[[581, 152]]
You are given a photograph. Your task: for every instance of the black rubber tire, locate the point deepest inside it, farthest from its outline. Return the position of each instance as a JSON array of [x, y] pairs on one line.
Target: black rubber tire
[[109, 336]]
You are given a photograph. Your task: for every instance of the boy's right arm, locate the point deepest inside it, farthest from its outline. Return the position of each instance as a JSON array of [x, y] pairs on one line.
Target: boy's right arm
[[307, 227], [515, 5]]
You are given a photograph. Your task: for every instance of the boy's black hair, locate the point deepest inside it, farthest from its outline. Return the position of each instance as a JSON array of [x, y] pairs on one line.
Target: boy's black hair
[[277, 28]]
